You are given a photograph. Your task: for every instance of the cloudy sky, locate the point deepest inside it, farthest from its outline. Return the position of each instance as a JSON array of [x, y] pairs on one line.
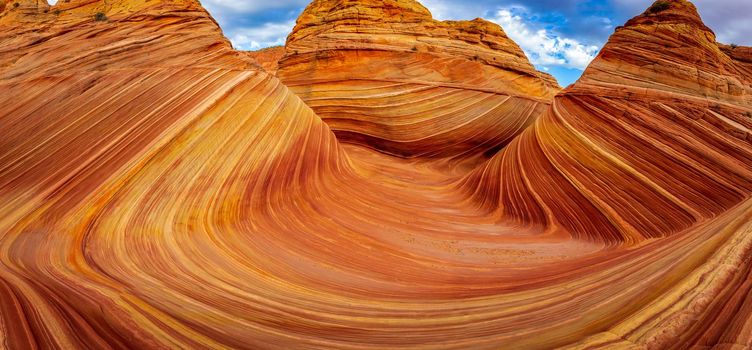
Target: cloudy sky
[[559, 36]]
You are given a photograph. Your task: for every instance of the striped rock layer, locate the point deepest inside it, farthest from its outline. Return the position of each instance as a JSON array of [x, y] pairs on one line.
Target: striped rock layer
[[159, 190], [385, 74], [268, 58], [653, 139]]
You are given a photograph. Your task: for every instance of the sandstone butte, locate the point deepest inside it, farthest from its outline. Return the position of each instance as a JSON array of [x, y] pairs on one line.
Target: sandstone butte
[[385, 74], [159, 189]]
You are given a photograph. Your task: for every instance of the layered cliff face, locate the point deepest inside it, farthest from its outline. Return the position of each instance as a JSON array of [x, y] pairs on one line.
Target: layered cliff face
[[117, 110], [160, 190], [652, 142], [268, 58], [677, 54], [385, 74], [662, 114], [89, 35]]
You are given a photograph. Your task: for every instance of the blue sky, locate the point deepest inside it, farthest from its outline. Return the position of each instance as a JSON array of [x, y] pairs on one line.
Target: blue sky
[[559, 36]]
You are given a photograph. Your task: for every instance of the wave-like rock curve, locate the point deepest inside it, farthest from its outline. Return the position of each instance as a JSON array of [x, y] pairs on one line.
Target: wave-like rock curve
[[159, 190], [385, 74]]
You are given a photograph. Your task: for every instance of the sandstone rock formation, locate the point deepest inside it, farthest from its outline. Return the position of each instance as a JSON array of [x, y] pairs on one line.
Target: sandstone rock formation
[[662, 114], [98, 115], [386, 75], [268, 58], [653, 142], [159, 190], [68, 38]]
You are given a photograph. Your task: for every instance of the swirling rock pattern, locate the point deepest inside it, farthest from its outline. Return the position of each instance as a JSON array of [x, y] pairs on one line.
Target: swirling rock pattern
[[653, 139], [159, 190], [386, 75]]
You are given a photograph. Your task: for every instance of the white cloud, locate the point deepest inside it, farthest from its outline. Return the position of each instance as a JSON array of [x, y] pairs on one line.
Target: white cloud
[[265, 35], [543, 47]]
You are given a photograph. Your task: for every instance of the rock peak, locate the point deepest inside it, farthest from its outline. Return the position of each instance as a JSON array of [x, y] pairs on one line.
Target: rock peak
[[355, 11], [668, 47], [407, 27], [40, 11], [111, 34], [670, 12], [388, 10]]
